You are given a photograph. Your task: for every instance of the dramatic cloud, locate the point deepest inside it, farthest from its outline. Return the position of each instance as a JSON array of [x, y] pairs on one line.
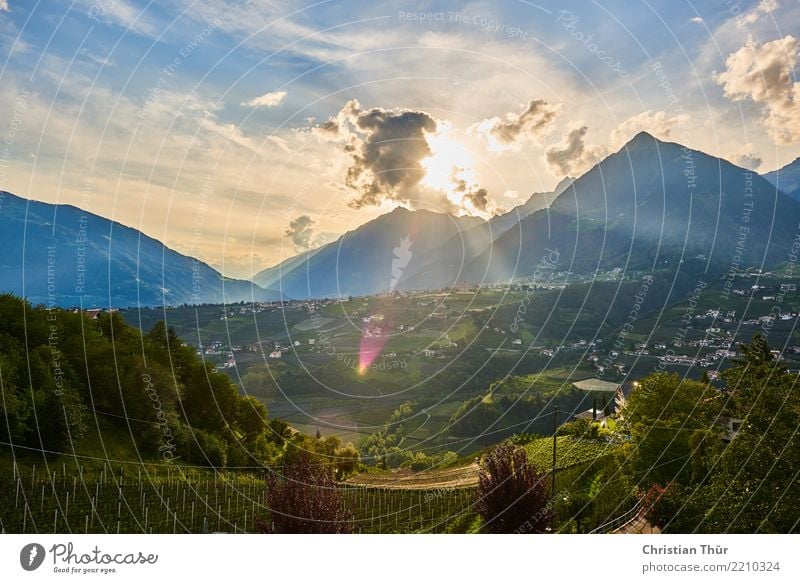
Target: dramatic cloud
[[267, 100], [517, 128], [657, 124], [763, 73], [301, 231], [472, 198], [746, 157], [386, 148], [573, 157]]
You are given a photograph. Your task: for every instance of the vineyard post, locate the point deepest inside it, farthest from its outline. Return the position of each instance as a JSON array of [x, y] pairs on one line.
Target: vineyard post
[[553, 493]]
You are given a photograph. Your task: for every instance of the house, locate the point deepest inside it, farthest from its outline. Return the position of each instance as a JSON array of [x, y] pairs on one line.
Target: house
[[731, 426], [275, 354]]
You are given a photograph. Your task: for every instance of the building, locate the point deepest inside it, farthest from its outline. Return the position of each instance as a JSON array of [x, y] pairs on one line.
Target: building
[[603, 394]]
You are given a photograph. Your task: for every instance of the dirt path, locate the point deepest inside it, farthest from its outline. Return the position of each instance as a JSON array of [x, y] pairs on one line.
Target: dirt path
[[459, 477]]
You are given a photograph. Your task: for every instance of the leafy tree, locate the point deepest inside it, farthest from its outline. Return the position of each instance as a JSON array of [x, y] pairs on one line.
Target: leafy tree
[[669, 418], [755, 486], [512, 494], [305, 499], [251, 417]]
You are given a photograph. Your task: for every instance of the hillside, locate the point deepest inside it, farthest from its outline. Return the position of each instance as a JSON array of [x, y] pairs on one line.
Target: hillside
[[787, 178], [652, 206], [65, 256]]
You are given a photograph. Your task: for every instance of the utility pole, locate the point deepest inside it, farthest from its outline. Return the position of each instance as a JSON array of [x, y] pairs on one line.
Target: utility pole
[[553, 496]]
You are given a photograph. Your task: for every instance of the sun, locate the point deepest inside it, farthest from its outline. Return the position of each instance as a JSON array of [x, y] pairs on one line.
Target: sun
[[449, 161]]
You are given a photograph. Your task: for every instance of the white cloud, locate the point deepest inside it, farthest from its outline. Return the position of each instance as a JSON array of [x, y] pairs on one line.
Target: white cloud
[[763, 73], [746, 157], [696, 20], [4, 6], [656, 123], [573, 156], [764, 7], [272, 99], [123, 14]]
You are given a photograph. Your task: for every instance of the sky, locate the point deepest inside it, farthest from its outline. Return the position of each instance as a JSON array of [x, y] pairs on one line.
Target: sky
[[245, 132]]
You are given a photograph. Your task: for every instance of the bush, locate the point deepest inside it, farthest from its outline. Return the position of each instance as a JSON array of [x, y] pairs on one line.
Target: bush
[[512, 495], [305, 499]]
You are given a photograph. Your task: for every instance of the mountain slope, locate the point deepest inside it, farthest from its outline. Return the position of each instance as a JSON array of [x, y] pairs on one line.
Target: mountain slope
[[651, 206], [64, 256], [377, 257], [440, 265], [787, 179]]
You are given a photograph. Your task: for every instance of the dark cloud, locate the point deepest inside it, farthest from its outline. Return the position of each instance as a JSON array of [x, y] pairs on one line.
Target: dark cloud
[[474, 199], [301, 231], [386, 148], [517, 128]]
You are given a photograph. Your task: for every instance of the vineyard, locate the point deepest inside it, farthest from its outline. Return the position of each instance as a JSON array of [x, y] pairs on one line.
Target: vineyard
[[570, 451], [146, 499]]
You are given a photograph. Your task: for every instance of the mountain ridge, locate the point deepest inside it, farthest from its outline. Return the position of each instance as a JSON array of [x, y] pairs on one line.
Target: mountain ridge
[[60, 254]]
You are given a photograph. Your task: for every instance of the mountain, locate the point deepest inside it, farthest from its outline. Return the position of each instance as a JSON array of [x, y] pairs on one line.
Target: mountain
[[441, 247], [787, 178], [60, 255], [537, 201], [376, 257], [651, 206]]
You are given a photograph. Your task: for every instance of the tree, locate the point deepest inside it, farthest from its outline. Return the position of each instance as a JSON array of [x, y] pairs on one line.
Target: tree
[[750, 484], [305, 499], [670, 420], [754, 487], [251, 418], [512, 495]]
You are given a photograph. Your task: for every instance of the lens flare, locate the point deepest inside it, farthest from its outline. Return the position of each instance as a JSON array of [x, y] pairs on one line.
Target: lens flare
[[373, 339]]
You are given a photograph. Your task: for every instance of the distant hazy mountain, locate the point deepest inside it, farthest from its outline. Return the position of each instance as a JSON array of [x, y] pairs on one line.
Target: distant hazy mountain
[[377, 257], [787, 178], [360, 262], [61, 255], [651, 206]]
